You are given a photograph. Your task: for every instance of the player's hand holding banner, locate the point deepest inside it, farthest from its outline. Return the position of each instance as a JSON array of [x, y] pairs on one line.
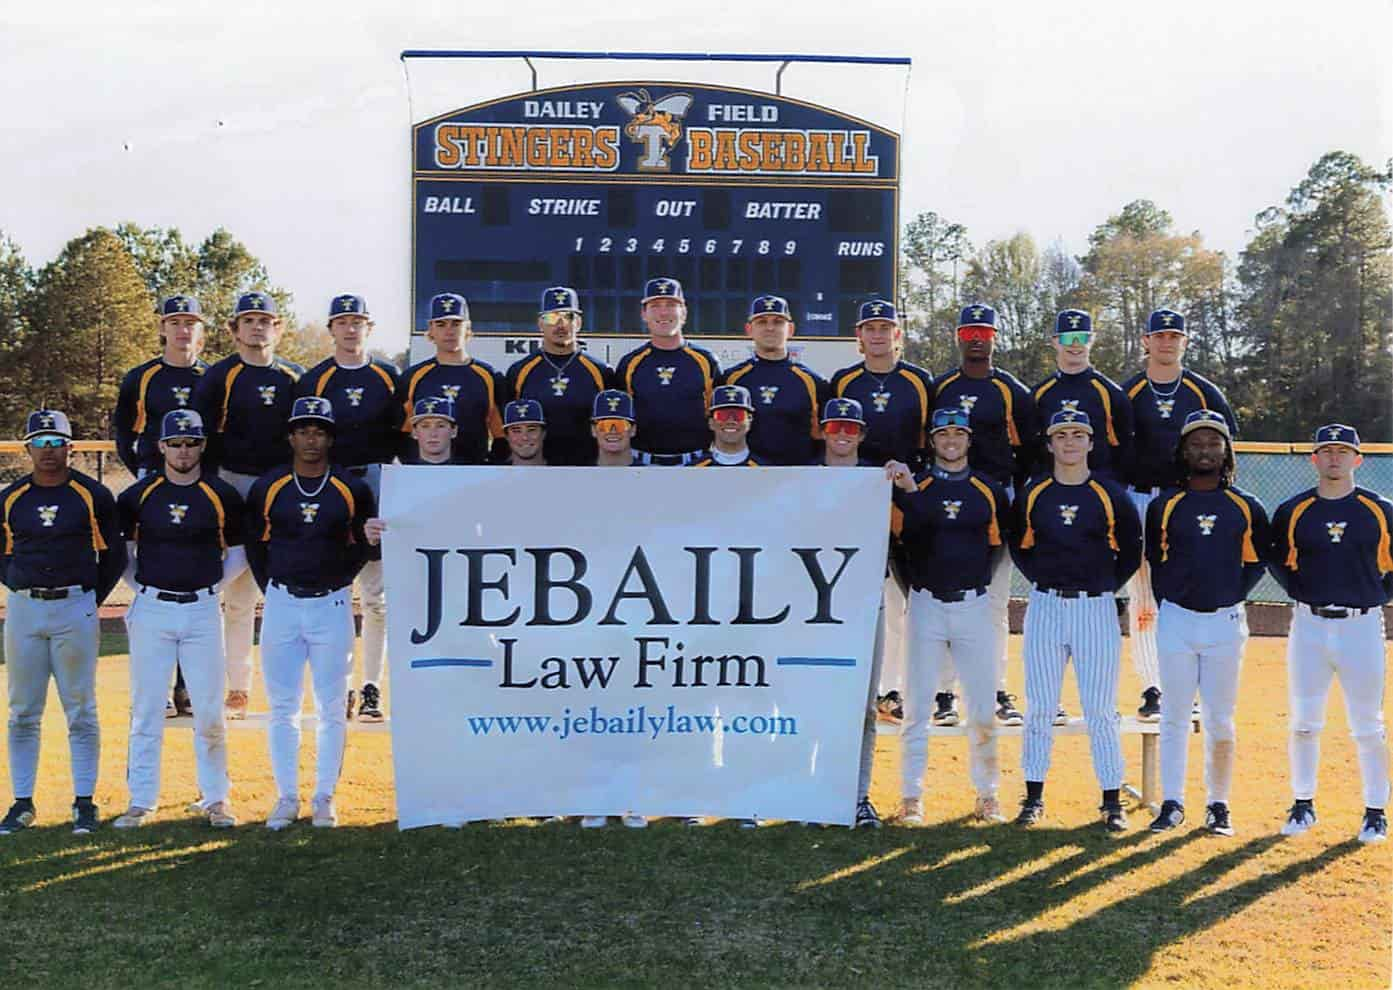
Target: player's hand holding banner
[[672, 643]]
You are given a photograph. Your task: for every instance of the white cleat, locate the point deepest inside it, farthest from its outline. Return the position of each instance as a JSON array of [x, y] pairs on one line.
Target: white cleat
[[284, 814], [1300, 819], [324, 814], [134, 817]]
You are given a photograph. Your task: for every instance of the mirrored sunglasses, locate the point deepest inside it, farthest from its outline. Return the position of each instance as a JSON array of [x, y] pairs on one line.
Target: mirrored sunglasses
[[49, 441], [611, 424], [843, 427], [558, 318], [976, 333], [1074, 337], [732, 414]]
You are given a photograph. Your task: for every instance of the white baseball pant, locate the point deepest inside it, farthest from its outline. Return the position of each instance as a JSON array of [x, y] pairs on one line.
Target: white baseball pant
[[239, 597], [961, 637], [295, 631], [999, 596], [161, 635], [868, 723], [1141, 606], [1084, 630], [1199, 651], [1352, 648]]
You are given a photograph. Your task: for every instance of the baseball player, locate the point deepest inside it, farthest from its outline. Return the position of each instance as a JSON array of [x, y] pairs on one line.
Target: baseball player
[[1330, 551], [363, 391], [1202, 539], [244, 400], [1001, 411], [183, 531], [475, 389], [305, 545], [1162, 398], [1078, 386], [1078, 541], [671, 380], [612, 425], [525, 430], [788, 393], [732, 415], [562, 378], [433, 430], [950, 520], [61, 555]]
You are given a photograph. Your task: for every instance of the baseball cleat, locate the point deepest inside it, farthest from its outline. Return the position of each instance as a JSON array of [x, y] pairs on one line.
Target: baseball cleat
[[889, 707], [1114, 818], [1300, 818], [220, 815], [632, 820], [1150, 710], [1172, 815], [284, 814], [169, 710], [594, 821], [988, 810], [866, 816], [324, 814], [750, 822], [134, 817], [911, 812], [84, 817], [1061, 717], [946, 712], [183, 704], [369, 709], [235, 705], [1006, 711], [1216, 819], [695, 821], [1375, 827], [1032, 813], [19, 817]]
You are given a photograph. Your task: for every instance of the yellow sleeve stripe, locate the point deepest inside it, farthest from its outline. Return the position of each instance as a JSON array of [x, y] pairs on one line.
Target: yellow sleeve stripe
[[347, 494], [589, 365], [633, 366], [526, 370], [9, 504], [703, 463], [993, 528], [1301, 507], [1028, 540], [1132, 392], [1196, 389], [227, 394], [492, 421], [1045, 386], [140, 412], [1385, 554], [323, 382], [218, 510], [385, 376], [1250, 553], [159, 480], [705, 367], [842, 383], [815, 428], [926, 483], [1102, 494], [922, 391], [271, 492], [950, 380], [288, 371], [1013, 435], [409, 406], [1102, 391], [98, 543], [1171, 504]]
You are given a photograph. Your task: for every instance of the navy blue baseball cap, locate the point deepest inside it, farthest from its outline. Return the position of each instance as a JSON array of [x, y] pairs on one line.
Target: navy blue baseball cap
[[309, 408], [662, 288], [1069, 417], [180, 306], [435, 405], [449, 306], [347, 305], [181, 423], [521, 412], [1335, 433], [877, 309], [1071, 320], [847, 410], [977, 315], [613, 404], [1165, 319], [769, 306], [1206, 419], [255, 302], [732, 397], [564, 299], [48, 422], [950, 416]]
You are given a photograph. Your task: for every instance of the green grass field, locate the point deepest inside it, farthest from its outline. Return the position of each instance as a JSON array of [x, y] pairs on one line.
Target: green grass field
[[948, 904]]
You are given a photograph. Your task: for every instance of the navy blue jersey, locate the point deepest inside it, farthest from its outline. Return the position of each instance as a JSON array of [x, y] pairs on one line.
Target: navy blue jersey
[[672, 393], [1334, 551], [245, 408], [1002, 413], [478, 393], [788, 398], [367, 419], [1108, 410], [148, 392], [566, 387], [1156, 421], [181, 532], [1203, 547], [949, 529], [706, 460], [56, 536], [308, 541], [896, 405], [1084, 537]]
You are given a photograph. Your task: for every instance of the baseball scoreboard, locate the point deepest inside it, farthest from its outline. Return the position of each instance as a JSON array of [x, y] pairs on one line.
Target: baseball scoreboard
[[601, 186]]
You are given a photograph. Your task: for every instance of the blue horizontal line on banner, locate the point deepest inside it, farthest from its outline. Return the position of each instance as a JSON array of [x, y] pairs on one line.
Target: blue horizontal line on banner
[[451, 662], [660, 56], [816, 661]]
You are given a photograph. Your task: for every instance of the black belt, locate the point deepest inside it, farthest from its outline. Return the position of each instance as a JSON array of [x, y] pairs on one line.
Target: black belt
[[302, 591], [949, 597], [53, 594], [1070, 592], [669, 460], [1326, 612], [177, 597]]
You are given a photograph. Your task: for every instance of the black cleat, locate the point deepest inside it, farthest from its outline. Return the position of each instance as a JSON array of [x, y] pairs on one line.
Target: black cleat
[[1216, 819], [1375, 827], [183, 705], [1114, 818], [1300, 818], [1172, 814], [84, 817], [18, 818], [1032, 813], [866, 816], [890, 707], [369, 707], [1150, 710], [1006, 711], [946, 711]]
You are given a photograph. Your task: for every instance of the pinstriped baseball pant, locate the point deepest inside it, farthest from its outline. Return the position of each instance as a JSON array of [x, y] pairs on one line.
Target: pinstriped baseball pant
[[1142, 602], [1084, 630]]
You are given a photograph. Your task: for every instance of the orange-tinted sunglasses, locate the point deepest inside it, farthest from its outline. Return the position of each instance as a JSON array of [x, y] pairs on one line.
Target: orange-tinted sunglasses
[[730, 414], [843, 427]]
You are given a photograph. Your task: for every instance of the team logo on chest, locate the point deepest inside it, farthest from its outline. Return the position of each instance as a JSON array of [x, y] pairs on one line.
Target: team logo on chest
[[450, 392], [665, 375], [881, 400], [1165, 407], [952, 507], [1067, 513], [355, 395], [268, 394], [967, 402], [767, 393], [308, 510], [1206, 524], [559, 384], [177, 513], [1069, 405], [181, 394], [1336, 531], [48, 513]]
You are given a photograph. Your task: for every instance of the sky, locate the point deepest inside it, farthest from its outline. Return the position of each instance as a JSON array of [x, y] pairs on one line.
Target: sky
[[288, 123]]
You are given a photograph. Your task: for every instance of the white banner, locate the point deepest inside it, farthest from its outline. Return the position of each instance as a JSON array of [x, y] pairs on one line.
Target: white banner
[[666, 641]]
